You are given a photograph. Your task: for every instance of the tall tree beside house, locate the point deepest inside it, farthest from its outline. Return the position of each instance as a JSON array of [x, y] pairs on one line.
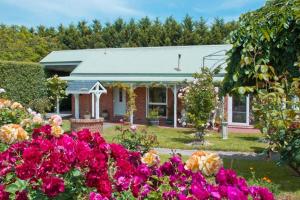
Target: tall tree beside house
[[202, 31], [199, 99], [97, 40], [265, 61], [56, 90], [189, 35], [19, 44]]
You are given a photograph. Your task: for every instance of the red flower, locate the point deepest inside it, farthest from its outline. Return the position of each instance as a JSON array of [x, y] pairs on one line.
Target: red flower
[[32, 154], [104, 187], [21, 195], [3, 194], [52, 186], [26, 171], [84, 135], [92, 178], [118, 151]]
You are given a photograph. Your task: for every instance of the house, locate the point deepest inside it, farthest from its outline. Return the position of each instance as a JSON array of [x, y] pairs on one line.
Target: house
[[155, 74]]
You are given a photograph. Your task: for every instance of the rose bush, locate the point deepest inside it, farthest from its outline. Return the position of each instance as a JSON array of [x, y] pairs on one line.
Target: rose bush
[[81, 165]]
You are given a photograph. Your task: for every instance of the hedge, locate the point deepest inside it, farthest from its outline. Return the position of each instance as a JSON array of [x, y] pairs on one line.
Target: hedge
[[23, 81]]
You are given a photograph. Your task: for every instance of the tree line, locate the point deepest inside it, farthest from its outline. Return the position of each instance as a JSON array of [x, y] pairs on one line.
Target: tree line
[[20, 43]]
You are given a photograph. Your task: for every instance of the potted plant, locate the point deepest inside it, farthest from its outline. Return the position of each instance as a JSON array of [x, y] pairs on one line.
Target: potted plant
[[87, 115], [153, 117], [104, 114]]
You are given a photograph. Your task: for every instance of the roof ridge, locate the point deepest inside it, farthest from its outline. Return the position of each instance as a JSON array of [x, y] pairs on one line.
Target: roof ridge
[[150, 47]]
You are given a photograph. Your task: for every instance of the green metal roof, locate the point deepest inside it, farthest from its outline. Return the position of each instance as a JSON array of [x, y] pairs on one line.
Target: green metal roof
[[138, 64]]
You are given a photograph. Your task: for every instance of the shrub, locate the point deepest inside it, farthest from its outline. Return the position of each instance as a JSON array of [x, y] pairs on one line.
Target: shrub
[[135, 140], [82, 165], [23, 82]]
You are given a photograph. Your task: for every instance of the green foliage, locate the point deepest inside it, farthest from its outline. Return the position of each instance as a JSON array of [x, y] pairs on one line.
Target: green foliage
[[19, 43], [153, 114], [56, 88], [135, 140], [263, 182], [40, 105], [12, 116], [200, 99], [264, 60], [23, 82], [266, 41]]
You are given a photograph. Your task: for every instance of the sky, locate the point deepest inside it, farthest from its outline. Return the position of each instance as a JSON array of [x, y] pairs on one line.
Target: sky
[[55, 12]]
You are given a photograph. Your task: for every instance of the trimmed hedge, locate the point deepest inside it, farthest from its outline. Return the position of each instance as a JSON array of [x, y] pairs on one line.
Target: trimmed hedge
[[23, 81]]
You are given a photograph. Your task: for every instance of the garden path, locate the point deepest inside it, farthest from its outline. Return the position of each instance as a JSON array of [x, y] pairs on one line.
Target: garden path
[[222, 154]]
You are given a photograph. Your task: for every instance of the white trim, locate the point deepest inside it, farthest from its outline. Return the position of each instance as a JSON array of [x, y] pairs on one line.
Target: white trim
[[175, 105], [77, 114], [247, 112]]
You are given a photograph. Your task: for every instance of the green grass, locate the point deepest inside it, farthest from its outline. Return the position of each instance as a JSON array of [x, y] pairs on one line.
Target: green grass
[[283, 176], [182, 138]]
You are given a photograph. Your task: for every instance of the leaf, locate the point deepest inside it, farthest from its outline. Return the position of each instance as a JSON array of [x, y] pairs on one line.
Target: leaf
[[266, 35], [235, 77], [241, 90], [264, 68]]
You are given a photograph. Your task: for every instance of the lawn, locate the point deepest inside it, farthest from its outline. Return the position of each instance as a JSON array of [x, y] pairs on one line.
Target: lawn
[[182, 138]]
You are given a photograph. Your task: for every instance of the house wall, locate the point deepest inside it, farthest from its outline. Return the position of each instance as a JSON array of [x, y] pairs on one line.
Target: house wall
[[106, 104]]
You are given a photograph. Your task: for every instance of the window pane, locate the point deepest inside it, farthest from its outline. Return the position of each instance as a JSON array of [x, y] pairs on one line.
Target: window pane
[[239, 109], [162, 109], [157, 95]]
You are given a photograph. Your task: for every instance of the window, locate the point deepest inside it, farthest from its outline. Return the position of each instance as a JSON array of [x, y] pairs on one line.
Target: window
[[120, 95], [157, 99]]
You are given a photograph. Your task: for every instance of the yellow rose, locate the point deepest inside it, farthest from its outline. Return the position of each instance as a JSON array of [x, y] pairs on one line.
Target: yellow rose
[[207, 163], [210, 164], [22, 134], [26, 123], [16, 105], [151, 158], [192, 163], [8, 134], [56, 131]]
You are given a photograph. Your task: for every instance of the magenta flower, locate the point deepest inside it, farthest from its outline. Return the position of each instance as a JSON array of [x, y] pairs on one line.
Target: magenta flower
[[3, 194], [52, 186]]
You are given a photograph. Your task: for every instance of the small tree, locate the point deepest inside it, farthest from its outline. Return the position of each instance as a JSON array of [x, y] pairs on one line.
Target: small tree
[[199, 99], [56, 90]]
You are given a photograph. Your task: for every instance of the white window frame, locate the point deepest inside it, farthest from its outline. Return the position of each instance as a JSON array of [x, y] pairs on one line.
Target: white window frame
[[148, 103], [247, 112]]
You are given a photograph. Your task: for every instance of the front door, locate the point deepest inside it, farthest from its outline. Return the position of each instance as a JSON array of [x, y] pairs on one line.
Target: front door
[[238, 110], [119, 101]]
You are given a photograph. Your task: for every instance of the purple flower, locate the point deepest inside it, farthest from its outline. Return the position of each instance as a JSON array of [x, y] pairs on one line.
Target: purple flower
[[167, 169], [97, 196], [261, 193], [234, 193], [199, 192], [170, 195]]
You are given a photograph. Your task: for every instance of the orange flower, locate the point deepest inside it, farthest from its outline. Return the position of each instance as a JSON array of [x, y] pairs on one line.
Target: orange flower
[[151, 158], [5, 103], [16, 105], [11, 133], [266, 179]]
